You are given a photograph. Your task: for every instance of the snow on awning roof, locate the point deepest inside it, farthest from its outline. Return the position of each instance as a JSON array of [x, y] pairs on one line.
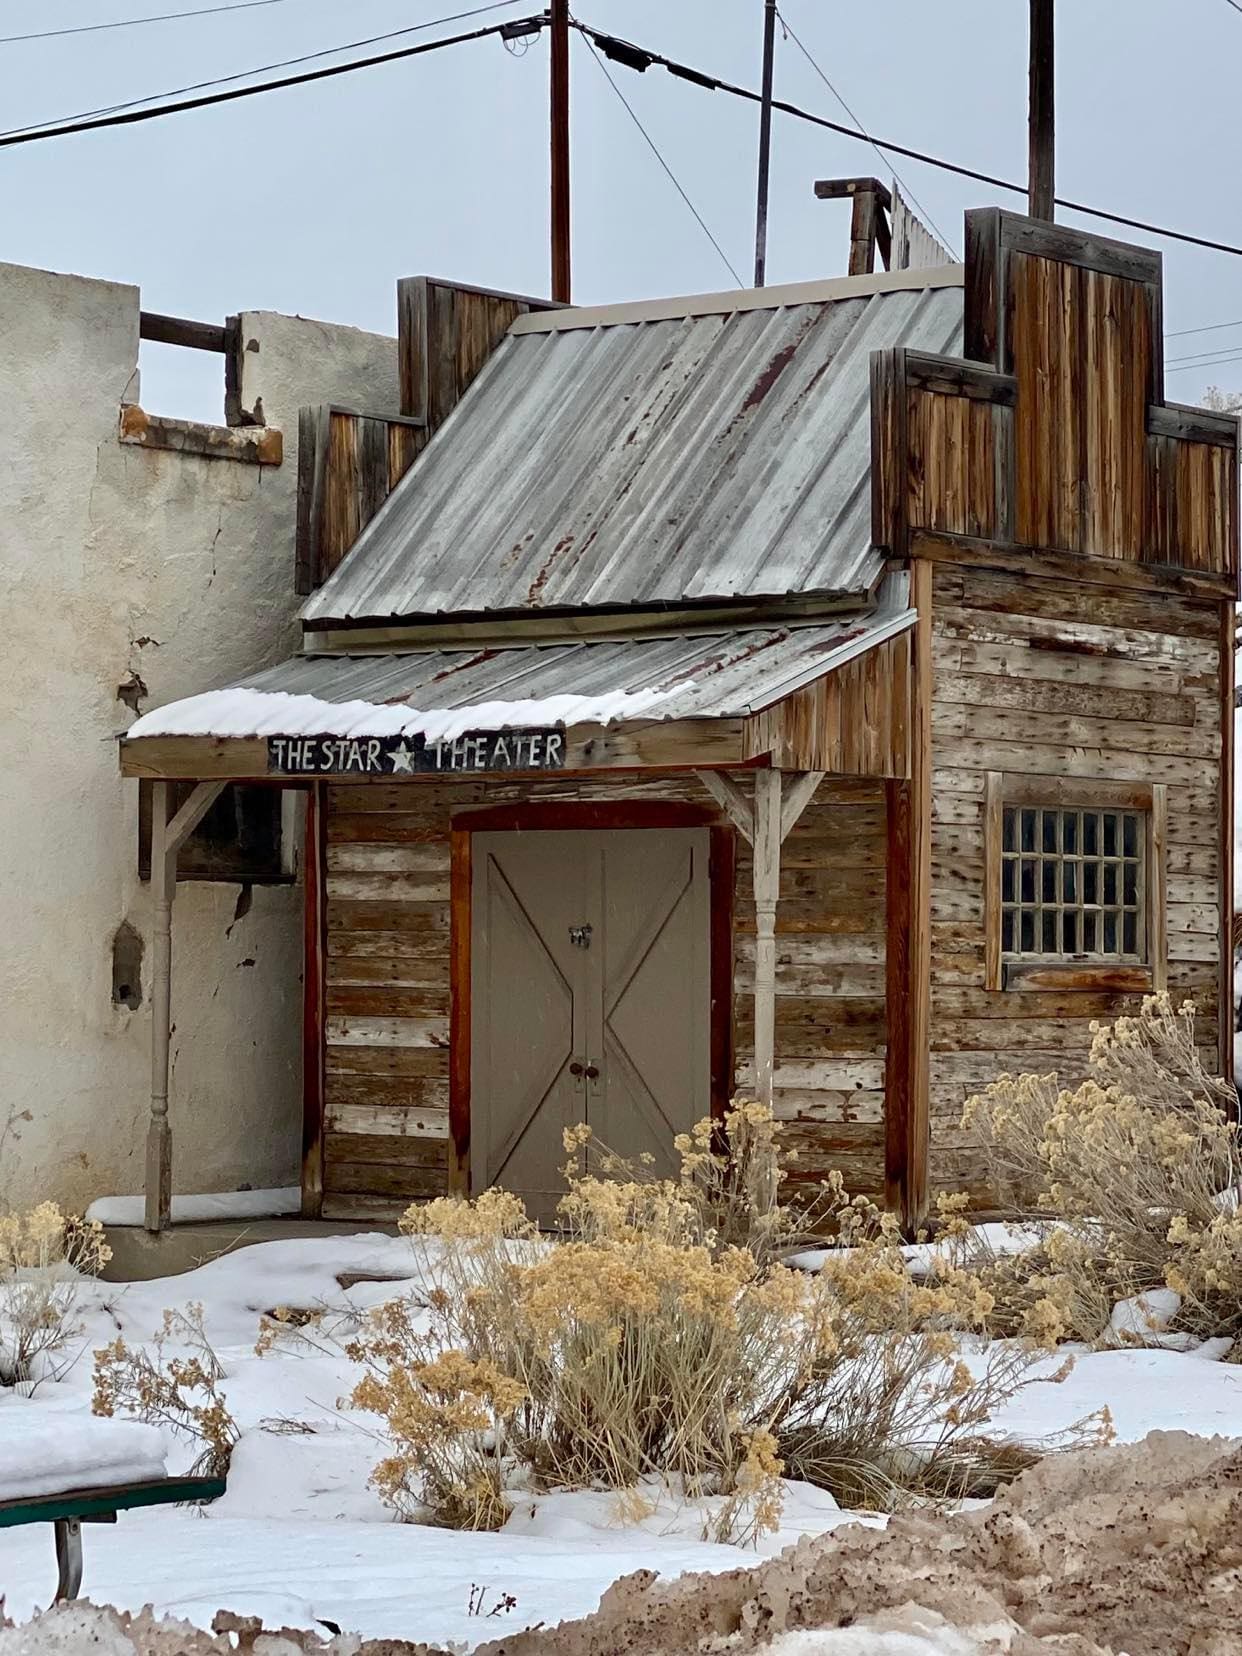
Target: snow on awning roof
[[441, 694]]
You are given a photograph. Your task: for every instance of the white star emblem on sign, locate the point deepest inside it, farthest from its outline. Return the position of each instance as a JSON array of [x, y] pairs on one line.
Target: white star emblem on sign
[[401, 758]]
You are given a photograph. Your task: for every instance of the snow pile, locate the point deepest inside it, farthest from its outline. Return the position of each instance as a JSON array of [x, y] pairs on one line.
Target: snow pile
[[1105, 1550], [126, 1211], [44, 1452]]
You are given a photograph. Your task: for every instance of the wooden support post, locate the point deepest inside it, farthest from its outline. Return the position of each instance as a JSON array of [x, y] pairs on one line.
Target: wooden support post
[[907, 1132], [166, 838], [1042, 165], [767, 889], [558, 25]]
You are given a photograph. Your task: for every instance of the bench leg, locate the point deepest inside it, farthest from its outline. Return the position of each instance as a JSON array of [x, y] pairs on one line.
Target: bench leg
[[68, 1557]]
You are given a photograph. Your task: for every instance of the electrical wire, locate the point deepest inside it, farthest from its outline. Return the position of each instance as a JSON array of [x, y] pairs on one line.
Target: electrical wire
[[651, 144], [626, 52], [1209, 327], [1235, 4], [792, 33], [619, 50], [85, 121], [1189, 367], [134, 22]]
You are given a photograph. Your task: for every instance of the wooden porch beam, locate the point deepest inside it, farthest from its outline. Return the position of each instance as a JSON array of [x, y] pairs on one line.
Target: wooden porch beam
[[797, 797]]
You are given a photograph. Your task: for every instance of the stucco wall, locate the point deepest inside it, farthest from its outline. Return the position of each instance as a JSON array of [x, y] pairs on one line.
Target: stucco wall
[[120, 560]]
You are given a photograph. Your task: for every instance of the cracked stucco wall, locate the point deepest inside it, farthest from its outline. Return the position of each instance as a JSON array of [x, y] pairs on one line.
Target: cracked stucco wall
[[123, 564]]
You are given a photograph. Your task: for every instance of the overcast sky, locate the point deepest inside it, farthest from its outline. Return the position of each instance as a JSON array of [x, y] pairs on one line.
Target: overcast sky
[[316, 200]]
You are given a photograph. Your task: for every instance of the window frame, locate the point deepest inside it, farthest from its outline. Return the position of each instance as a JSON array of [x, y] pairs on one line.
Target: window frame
[[280, 870], [1006, 790]]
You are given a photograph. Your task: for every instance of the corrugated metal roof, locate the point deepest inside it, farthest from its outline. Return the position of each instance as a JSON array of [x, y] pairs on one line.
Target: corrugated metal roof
[[442, 693], [700, 457]]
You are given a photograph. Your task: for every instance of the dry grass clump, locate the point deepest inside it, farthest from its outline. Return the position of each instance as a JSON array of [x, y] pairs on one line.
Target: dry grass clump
[[1138, 1171], [44, 1256], [174, 1382], [661, 1337]]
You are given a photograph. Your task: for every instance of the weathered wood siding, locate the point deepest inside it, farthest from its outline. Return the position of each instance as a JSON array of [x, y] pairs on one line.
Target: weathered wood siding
[[853, 722], [1033, 678], [386, 1082], [1055, 442]]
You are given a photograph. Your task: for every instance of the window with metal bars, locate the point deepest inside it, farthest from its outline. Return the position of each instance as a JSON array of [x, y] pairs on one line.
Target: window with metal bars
[[1074, 884]]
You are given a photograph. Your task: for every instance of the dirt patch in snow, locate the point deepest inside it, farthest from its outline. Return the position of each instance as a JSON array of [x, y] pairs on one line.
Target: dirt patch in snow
[[1135, 1549]]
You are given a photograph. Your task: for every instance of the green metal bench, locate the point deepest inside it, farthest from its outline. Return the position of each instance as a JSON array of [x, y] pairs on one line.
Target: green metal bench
[[75, 1507]]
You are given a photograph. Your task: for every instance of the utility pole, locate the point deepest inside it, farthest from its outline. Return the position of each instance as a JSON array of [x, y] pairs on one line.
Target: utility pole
[[558, 23], [765, 141], [1042, 165]]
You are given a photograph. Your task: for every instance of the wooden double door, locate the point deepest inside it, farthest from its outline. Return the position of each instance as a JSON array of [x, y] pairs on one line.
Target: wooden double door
[[590, 999]]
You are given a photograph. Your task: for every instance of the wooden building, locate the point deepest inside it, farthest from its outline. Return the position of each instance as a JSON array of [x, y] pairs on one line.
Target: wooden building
[[823, 693]]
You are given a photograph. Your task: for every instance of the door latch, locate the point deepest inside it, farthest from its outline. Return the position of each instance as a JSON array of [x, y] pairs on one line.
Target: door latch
[[580, 937], [590, 1071]]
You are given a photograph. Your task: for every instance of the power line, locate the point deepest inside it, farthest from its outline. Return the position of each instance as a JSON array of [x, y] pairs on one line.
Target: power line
[[789, 30], [1235, 4], [639, 58], [134, 22], [259, 69], [634, 57], [1189, 367], [651, 144], [1209, 327], [131, 116]]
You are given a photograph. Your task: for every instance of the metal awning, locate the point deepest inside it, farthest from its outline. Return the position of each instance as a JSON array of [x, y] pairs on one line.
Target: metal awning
[[417, 710]]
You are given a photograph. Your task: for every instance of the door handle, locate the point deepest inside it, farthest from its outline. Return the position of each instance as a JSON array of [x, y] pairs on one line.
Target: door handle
[[578, 1069], [592, 1072]]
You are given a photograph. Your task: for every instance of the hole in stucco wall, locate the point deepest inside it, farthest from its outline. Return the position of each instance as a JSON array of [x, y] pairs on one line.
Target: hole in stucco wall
[[127, 947]]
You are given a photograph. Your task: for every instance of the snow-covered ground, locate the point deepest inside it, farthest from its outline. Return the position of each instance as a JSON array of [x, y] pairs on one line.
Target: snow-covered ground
[[300, 1539]]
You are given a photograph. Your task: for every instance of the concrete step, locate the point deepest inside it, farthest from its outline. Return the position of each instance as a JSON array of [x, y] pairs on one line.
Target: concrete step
[[137, 1256]]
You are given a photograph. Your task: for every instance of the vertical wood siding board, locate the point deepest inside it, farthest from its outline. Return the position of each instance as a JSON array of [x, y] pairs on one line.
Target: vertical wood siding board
[[885, 470], [1151, 303], [984, 301], [1077, 394], [722, 873], [1136, 372], [1157, 889], [1027, 410], [916, 458], [313, 1046], [460, 1013], [340, 516], [441, 352], [372, 468], [1228, 671], [898, 1065], [412, 326], [993, 815]]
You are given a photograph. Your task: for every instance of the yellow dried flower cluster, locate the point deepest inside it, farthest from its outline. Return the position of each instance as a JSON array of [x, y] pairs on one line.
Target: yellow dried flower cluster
[[44, 1256], [1138, 1168], [178, 1388], [661, 1336]]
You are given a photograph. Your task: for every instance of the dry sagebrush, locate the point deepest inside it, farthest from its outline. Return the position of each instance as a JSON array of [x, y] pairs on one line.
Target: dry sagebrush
[[173, 1382], [45, 1255], [1137, 1172], [661, 1337]]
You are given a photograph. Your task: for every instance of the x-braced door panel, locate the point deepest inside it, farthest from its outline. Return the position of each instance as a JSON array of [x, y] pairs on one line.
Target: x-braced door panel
[[590, 999]]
